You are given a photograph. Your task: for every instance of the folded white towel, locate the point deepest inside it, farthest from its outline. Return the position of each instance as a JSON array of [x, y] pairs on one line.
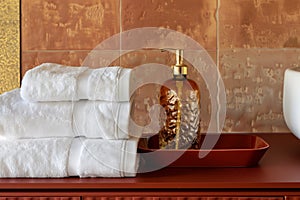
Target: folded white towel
[[54, 82], [93, 119], [102, 158], [63, 157]]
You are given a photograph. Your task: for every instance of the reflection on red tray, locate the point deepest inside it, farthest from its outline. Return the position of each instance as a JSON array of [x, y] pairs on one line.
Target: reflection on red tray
[[231, 150]]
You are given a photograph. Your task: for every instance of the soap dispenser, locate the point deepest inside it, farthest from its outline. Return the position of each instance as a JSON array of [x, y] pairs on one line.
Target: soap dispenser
[[180, 98]]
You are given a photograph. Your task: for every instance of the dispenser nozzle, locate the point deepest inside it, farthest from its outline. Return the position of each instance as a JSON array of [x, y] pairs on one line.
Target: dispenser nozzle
[[179, 68], [179, 57]]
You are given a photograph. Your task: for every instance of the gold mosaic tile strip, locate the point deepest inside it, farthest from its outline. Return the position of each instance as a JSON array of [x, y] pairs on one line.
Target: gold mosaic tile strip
[[10, 45]]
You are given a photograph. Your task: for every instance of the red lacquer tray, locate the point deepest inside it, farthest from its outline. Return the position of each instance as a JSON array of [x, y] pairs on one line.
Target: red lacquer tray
[[231, 150]]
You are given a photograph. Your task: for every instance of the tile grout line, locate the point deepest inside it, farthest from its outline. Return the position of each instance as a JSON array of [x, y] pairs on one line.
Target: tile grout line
[[218, 63], [121, 30], [218, 32]]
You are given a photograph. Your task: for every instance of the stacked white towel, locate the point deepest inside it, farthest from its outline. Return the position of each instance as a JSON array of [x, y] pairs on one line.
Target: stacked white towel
[[54, 82], [93, 119], [46, 130], [63, 157]]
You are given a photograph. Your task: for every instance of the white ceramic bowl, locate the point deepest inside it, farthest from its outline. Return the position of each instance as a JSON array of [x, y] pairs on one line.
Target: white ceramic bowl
[[291, 100]]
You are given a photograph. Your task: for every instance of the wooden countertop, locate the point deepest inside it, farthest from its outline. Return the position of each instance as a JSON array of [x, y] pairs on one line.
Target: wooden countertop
[[279, 168]]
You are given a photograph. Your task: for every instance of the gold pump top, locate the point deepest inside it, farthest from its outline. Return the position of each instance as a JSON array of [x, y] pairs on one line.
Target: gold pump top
[[179, 68]]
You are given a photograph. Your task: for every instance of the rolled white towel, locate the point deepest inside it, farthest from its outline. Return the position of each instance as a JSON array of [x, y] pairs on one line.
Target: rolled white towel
[[55, 82], [93, 119], [63, 157]]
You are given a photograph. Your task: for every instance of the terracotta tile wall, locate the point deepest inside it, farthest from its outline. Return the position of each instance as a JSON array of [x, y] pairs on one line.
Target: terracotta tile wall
[[252, 41], [65, 31], [258, 41]]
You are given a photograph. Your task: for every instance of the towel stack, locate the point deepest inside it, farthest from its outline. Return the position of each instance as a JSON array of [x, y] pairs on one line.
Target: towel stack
[[68, 121]]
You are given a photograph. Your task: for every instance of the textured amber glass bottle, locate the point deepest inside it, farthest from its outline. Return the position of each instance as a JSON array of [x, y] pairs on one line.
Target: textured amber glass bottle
[[180, 98]]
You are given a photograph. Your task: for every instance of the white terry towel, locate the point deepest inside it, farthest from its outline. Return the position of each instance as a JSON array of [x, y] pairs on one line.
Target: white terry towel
[[55, 82], [63, 157], [93, 119]]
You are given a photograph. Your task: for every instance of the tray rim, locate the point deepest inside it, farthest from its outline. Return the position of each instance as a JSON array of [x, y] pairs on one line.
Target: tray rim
[[214, 158], [265, 146]]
